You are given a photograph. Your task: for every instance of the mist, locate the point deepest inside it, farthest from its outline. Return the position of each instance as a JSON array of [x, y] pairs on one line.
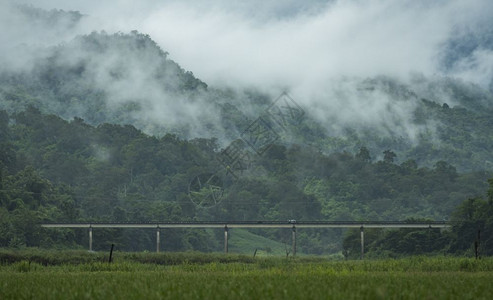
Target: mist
[[319, 51]]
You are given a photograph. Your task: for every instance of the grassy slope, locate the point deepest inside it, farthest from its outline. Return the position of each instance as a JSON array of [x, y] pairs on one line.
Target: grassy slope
[[244, 242]]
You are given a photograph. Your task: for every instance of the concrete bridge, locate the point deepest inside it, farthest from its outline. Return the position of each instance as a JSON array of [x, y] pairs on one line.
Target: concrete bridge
[[226, 225]]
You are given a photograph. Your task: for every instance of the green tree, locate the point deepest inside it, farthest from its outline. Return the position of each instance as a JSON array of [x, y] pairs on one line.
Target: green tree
[[473, 219], [389, 156], [364, 154]]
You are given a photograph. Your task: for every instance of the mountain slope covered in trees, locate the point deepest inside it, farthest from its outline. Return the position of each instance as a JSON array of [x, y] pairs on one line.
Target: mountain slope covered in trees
[[127, 79], [59, 171], [106, 127]]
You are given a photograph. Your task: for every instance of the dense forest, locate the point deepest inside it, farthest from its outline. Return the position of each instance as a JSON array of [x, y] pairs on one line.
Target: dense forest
[[106, 127], [53, 170], [127, 79]]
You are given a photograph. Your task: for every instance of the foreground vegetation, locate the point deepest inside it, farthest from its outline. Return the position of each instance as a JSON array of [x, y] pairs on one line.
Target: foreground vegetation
[[206, 276]]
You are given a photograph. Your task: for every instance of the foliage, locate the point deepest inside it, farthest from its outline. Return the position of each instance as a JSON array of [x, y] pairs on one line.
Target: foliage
[[473, 223], [470, 234], [61, 171], [416, 277]]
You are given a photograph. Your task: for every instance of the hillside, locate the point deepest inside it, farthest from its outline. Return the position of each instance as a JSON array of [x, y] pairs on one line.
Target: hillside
[[55, 170], [128, 79], [107, 127]]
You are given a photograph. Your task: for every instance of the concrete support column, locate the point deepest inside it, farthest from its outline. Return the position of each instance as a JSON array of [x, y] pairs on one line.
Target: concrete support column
[[158, 239], [294, 241], [226, 239], [90, 238], [362, 242]]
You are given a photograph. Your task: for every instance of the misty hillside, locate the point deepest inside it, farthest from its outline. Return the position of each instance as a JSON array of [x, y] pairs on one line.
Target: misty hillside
[[469, 48], [54, 19], [106, 126], [455, 129], [129, 79], [119, 78]]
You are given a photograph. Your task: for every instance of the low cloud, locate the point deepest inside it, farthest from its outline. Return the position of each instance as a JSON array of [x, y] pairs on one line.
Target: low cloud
[[271, 43], [320, 51]]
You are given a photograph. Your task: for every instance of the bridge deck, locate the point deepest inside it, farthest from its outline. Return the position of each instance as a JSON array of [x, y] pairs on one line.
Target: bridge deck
[[255, 224]]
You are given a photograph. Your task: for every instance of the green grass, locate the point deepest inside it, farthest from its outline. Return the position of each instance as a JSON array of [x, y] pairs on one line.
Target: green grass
[[258, 284], [245, 242], [218, 276]]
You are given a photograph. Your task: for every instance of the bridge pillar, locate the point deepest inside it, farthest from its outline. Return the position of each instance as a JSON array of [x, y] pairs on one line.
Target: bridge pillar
[[158, 239], [90, 238], [362, 242], [226, 238], [294, 240]]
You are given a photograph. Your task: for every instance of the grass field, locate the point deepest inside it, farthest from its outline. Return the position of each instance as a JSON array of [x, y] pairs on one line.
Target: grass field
[[185, 276]]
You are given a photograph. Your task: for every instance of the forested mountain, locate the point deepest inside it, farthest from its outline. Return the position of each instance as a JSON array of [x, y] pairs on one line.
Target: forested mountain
[[119, 78], [106, 127], [128, 79], [58, 171]]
